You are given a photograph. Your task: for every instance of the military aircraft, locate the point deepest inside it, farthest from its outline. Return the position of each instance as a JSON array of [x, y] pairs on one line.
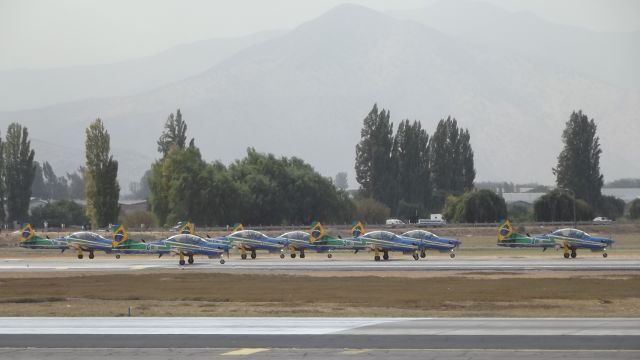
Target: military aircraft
[[186, 243], [251, 240], [508, 238], [29, 240], [429, 241], [122, 244], [381, 241], [317, 240], [87, 241], [570, 240]]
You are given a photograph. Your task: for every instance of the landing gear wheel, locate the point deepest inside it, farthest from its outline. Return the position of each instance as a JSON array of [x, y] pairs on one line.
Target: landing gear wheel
[[329, 256], [566, 255], [118, 256], [573, 255], [281, 256], [80, 256], [416, 257], [376, 258], [604, 255], [190, 260], [452, 255], [181, 262], [302, 255], [222, 261], [423, 254], [385, 256], [253, 255], [243, 256], [293, 255], [91, 256]]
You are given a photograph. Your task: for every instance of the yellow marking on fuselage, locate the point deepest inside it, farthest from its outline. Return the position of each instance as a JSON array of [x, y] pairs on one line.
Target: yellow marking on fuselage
[[247, 351]]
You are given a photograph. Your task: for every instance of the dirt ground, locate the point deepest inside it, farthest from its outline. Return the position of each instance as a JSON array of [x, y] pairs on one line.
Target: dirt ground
[[178, 293]]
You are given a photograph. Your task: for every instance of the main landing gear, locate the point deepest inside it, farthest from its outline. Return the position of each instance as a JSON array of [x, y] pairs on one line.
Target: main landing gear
[[385, 255]]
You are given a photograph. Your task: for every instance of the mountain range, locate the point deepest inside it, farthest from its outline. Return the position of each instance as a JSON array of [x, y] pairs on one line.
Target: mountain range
[[305, 92]]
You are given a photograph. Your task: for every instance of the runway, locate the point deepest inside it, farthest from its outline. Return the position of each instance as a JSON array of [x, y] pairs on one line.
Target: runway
[[488, 264], [318, 338], [318, 333]]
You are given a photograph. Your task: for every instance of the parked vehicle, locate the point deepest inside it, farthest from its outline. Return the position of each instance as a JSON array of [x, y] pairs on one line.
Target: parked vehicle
[[434, 220], [601, 220]]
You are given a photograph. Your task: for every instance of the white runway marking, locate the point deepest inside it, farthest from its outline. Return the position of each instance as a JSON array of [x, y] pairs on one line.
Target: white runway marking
[[323, 326], [508, 264]]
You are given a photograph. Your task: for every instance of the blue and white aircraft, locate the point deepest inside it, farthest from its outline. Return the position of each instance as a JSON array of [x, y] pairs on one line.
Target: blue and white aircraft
[[251, 240], [186, 243], [573, 239], [381, 241], [86, 241], [429, 241]]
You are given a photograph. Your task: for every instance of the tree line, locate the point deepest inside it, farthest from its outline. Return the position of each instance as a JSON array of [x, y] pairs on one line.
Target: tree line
[[409, 172], [403, 173]]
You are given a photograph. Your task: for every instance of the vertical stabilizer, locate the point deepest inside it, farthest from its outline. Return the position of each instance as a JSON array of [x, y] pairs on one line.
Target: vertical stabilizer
[[317, 232], [357, 229]]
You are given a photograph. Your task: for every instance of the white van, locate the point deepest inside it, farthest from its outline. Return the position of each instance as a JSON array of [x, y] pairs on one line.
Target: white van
[[394, 222]]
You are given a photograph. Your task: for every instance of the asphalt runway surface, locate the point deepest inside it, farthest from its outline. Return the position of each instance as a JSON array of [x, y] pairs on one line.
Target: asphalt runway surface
[[66, 263], [318, 338]]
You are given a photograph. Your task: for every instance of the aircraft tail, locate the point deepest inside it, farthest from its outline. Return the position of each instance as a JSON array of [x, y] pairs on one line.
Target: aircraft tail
[[317, 232], [237, 227], [119, 235], [187, 228], [27, 232], [357, 229], [505, 231]]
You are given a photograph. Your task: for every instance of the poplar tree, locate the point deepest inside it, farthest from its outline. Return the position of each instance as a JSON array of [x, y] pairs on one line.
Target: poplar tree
[[374, 166], [578, 166], [101, 170], [174, 134], [452, 165], [19, 171], [411, 152]]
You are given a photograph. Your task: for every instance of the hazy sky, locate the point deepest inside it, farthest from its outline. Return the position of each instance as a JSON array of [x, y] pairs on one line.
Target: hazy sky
[[41, 33]]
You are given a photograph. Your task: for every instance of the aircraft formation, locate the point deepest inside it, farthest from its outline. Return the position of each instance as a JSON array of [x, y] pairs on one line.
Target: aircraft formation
[[187, 244], [568, 239]]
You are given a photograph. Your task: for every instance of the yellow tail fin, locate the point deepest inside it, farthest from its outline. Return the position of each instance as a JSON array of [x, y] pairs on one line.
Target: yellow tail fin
[[119, 235], [317, 232], [27, 232], [505, 230], [357, 229], [187, 228]]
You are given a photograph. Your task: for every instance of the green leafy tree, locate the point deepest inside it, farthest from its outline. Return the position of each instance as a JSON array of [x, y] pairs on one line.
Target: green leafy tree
[[19, 171], [140, 190], [451, 160], [411, 155], [634, 209], [174, 134], [611, 207], [56, 187], [520, 212], [341, 181], [371, 211], [38, 188], [76, 184], [101, 171], [578, 166], [59, 212], [135, 219], [482, 206], [557, 205], [374, 166]]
